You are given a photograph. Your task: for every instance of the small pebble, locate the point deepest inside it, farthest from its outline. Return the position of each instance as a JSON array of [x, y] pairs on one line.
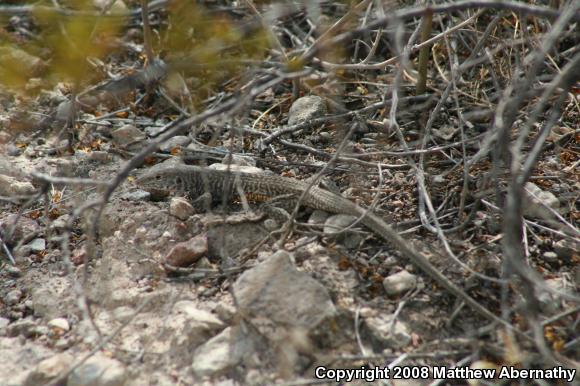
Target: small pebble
[[59, 323], [13, 297], [37, 245], [399, 283], [181, 208], [13, 271], [550, 257]]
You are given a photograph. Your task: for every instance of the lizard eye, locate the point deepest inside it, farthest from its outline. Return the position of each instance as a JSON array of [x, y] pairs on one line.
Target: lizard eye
[[178, 180], [157, 177]]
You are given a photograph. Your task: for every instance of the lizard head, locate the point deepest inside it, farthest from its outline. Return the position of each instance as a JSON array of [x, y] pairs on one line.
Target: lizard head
[[160, 183]]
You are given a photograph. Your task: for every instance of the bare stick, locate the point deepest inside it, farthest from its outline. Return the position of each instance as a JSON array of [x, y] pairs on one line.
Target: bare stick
[[426, 25]]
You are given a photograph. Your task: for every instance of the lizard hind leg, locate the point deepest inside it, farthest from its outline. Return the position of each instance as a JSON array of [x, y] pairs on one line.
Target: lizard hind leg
[[280, 207]]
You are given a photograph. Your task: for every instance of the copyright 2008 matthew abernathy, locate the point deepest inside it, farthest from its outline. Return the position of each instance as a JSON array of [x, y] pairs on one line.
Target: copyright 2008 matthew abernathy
[[442, 372]]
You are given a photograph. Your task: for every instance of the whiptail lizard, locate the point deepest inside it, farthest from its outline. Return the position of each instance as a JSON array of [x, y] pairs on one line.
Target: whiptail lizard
[[198, 180]]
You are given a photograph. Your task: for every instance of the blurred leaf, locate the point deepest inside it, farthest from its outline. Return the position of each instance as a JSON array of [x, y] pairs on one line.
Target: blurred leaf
[[71, 40], [209, 46], [17, 66]]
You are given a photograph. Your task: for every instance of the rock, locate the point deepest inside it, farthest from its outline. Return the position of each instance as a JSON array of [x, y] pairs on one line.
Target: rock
[[241, 160], [21, 252], [23, 229], [202, 319], [204, 263], [154, 131], [399, 283], [30, 152], [10, 186], [66, 167], [60, 223], [99, 370], [537, 201], [49, 369], [189, 327], [446, 132], [385, 333], [21, 62], [275, 291], [565, 249], [187, 252], [38, 330], [325, 137], [550, 257], [123, 314], [13, 297], [25, 327], [305, 109], [334, 227], [230, 239], [370, 139], [13, 271], [225, 311], [50, 297], [101, 157], [13, 151], [64, 343], [63, 111], [79, 255], [4, 322], [173, 142], [59, 323], [168, 163], [181, 208], [237, 168], [19, 358], [551, 302], [5, 138], [318, 217], [136, 195], [118, 6], [221, 353], [127, 135], [271, 224], [214, 357], [37, 245]]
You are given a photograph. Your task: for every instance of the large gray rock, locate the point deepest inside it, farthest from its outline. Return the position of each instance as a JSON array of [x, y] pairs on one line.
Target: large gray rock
[[127, 135], [305, 109], [10, 186], [399, 283], [23, 229], [537, 202], [224, 351], [276, 291], [174, 142], [230, 239], [49, 369], [99, 370]]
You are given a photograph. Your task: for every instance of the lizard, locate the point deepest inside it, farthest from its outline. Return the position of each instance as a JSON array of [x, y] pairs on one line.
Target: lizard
[[199, 180]]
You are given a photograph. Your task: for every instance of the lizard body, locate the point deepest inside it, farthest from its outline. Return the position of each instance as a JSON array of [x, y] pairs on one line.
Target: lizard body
[[199, 180]]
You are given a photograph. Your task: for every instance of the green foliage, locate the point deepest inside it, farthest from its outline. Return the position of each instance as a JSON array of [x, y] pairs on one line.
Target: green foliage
[[66, 42], [206, 46], [17, 66], [212, 44], [72, 40]]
